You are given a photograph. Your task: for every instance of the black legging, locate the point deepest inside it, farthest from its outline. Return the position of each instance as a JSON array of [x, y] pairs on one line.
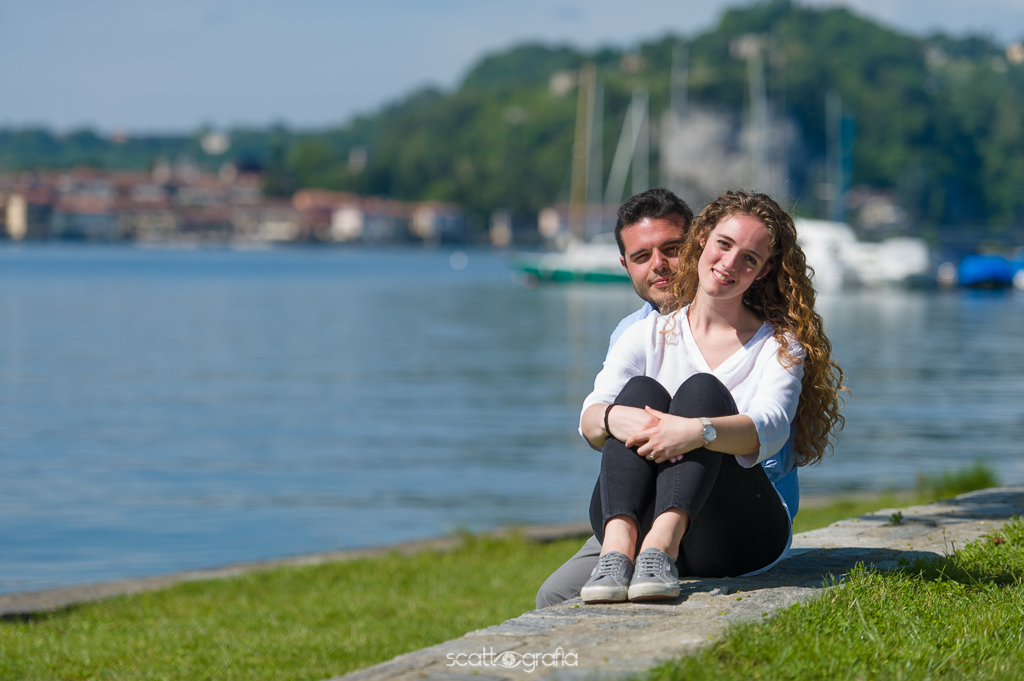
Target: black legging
[[738, 523]]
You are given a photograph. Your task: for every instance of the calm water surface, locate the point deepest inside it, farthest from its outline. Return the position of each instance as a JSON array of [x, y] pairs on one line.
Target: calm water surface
[[165, 410]]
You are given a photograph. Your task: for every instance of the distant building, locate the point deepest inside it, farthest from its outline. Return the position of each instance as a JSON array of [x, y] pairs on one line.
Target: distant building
[[562, 82], [317, 208], [26, 206], [25, 219], [344, 217], [876, 213], [553, 223], [273, 220], [85, 207], [433, 221], [182, 202], [347, 222], [141, 223]]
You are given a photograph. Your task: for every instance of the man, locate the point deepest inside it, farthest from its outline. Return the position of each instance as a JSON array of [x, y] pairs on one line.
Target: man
[[649, 230]]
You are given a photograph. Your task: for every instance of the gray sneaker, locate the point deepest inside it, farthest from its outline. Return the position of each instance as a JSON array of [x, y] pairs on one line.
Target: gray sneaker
[[656, 577], [609, 582]]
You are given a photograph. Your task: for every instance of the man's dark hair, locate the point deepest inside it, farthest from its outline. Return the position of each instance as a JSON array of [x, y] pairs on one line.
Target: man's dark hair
[[653, 203]]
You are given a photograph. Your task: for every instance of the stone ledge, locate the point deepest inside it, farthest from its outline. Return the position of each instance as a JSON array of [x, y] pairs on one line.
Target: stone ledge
[[619, 640]]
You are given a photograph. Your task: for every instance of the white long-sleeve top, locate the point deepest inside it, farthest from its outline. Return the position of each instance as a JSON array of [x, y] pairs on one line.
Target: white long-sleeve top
[[663, 348]]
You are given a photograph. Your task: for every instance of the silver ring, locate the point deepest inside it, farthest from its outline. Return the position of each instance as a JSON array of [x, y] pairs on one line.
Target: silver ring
[[651, 457]]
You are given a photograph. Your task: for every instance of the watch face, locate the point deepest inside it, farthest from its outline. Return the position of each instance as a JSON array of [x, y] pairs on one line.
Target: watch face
[[709, 433]]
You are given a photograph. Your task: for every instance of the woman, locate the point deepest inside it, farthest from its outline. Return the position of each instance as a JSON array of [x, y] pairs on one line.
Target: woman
[[689, 403]]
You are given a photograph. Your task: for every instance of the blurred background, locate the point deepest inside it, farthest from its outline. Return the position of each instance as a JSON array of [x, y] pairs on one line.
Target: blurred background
[[278, 279]]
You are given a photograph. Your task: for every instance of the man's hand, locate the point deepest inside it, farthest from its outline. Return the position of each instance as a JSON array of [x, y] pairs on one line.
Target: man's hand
[[668, 438]]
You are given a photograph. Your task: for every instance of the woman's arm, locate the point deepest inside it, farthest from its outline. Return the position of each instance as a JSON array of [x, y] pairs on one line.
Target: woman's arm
[[625, 360], [759, 432], [773, 406], [673, 436]]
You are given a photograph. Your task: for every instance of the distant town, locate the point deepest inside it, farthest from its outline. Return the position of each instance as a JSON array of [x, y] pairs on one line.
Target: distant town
[[180, 202]]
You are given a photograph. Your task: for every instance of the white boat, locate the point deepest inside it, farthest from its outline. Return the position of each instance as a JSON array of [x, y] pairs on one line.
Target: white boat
[[840, 260], [596, 260]]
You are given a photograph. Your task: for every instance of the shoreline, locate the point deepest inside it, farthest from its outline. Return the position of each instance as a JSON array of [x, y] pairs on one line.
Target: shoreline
[[26, 603]]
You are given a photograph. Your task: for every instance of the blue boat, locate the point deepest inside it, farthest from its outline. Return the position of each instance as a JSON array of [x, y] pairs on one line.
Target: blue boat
[[987, 271]]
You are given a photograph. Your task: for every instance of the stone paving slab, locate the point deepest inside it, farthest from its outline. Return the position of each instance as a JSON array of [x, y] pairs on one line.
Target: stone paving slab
[[576, 641]]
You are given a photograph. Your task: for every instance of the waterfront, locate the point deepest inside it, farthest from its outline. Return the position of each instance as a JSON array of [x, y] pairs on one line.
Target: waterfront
[[171, 409]]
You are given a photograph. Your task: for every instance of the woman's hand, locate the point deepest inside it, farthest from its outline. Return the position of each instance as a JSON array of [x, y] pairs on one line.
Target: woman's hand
[[668, 437], [625, 422]]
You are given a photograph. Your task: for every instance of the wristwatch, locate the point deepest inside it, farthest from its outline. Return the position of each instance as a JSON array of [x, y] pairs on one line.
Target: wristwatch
[[709, 433]]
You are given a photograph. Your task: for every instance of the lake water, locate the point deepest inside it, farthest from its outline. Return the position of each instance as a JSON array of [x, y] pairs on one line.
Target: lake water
[[173, 409]]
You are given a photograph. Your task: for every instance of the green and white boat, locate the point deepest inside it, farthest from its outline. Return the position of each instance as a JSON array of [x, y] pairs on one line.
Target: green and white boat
[[596, 261]]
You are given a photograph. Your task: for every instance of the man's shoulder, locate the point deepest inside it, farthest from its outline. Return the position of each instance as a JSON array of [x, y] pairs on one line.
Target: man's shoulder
[[630, 320]]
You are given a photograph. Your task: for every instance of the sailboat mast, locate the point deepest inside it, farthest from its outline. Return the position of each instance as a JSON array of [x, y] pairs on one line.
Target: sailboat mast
[[631, 150], [581, 153], [758, 118], [678, 84], [595, 168], [642, 136]]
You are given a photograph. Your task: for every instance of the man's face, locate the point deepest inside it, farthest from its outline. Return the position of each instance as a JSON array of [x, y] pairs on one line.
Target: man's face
[[652, 253]]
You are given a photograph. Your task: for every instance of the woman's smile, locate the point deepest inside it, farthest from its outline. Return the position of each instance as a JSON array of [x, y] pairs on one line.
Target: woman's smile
[[724, 279]]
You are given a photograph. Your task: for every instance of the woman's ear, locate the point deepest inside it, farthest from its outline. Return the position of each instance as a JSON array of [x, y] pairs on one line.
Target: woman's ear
[[765, 271]]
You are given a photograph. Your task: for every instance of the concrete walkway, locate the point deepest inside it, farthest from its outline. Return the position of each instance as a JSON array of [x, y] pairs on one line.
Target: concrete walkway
[[575, 641]]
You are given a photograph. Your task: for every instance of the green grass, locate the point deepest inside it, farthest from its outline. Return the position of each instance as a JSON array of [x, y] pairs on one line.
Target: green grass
[[930, 488], [290, 623], [952, 483], [959, 617], [323, 621]]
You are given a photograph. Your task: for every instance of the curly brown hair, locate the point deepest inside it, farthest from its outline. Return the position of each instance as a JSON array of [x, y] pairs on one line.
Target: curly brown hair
[[784, 298]]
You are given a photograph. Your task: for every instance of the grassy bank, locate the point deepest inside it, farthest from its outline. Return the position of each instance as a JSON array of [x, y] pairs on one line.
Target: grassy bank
[[322, 621], [290, 623], [960, 617]]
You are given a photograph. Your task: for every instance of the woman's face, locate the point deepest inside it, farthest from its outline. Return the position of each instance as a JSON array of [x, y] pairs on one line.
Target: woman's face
[[735, 254]]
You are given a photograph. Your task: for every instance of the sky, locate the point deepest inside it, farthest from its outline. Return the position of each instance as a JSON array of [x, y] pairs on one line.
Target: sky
[[156, 66]]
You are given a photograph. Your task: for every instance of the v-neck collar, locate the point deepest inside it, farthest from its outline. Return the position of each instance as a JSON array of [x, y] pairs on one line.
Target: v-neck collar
[[698, 356]]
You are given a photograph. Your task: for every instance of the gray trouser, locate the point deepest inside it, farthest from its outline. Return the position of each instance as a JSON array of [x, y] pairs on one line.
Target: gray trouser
[[566, 582]]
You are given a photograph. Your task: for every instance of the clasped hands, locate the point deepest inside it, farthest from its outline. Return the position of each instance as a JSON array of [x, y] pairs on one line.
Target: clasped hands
[[656, 435]]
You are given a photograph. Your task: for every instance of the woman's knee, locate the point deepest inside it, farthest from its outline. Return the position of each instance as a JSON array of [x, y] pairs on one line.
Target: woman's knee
[[703, 395], [644, 391]]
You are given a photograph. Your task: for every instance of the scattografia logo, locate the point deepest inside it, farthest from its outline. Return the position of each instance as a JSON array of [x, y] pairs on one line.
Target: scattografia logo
[[510, 659]]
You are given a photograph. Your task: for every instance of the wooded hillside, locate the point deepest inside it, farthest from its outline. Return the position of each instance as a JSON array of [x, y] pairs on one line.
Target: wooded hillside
[[939, 121]]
